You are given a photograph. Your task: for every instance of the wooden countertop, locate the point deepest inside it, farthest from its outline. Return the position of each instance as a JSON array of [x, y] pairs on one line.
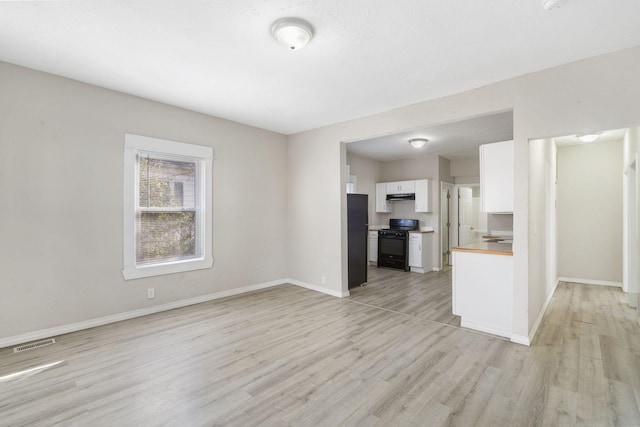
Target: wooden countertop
[[487, 248]]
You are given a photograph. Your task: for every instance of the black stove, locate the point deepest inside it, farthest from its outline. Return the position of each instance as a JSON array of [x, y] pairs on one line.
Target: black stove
[[393, 243]]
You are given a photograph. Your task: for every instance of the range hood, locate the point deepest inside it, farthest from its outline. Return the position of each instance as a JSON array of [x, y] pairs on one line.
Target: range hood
[[402, 196]]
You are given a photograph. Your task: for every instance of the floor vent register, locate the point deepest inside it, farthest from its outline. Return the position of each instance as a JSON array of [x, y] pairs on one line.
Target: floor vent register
[[31, 346]]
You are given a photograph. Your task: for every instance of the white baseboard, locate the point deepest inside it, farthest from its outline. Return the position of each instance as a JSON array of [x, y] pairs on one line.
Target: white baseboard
[[520, 339], [483, 328], [536, 324], [92, 323], [590, 281], [321, 289]]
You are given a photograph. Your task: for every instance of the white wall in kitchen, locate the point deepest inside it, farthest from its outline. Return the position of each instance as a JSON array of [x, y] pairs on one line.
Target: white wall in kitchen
[[368, 172], [420, 167], [466, 171]]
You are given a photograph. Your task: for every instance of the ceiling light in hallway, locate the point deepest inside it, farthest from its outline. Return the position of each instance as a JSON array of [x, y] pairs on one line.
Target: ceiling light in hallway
[[589, 137]]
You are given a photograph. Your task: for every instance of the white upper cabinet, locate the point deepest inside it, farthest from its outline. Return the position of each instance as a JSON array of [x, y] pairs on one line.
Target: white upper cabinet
[[421, 188], [496, 177], [423, 195], [401, 187], [381, 198]]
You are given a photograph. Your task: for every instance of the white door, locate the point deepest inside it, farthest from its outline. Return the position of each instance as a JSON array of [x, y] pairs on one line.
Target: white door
[[465, 205]]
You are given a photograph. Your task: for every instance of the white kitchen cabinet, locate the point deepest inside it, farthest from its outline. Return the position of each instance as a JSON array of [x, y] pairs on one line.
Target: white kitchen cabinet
[[423, 195], [373, 247], [482, 291], [381, 198], [420, 256], [401, 187], [496, 177]]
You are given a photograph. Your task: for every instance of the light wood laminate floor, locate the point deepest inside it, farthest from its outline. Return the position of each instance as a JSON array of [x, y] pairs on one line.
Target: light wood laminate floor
[[290, 356], [425, 295]]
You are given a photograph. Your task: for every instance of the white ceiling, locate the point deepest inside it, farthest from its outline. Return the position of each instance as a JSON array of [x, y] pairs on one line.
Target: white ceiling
[[452, 141], [605, 136], [368, 56]]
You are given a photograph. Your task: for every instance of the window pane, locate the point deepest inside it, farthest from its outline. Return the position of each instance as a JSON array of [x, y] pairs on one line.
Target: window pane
[[164, 236], [166, 183]]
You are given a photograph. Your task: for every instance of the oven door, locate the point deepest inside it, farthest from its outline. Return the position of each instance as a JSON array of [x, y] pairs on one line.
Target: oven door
[[392, 252]]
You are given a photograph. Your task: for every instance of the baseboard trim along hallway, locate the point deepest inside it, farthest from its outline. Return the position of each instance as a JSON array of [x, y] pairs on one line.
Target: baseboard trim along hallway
[[589, 281]]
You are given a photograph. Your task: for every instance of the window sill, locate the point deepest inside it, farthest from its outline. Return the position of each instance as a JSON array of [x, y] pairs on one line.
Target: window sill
[[139, 272]]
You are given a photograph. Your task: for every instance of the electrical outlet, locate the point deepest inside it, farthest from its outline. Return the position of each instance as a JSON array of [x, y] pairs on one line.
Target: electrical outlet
[[151, 293], [324, 280]]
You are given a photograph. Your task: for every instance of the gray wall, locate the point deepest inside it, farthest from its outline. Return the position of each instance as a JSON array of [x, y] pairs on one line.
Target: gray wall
[[368, 172], [61, 182], [553, 102], [590, 211], [542, 220], [631, 150], [466, 171]]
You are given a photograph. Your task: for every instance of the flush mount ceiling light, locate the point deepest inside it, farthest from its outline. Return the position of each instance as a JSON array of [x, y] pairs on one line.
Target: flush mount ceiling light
[[418, 142], [551, 4], [589, 137], [292, 33]]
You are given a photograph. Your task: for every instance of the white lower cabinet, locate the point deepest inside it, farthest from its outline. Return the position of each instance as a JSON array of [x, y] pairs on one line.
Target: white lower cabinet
[[483, 291], [420, 257], [373, 247]]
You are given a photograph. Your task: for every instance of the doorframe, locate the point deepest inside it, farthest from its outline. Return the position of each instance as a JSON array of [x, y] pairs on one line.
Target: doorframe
[[631, 238], [449, 186]]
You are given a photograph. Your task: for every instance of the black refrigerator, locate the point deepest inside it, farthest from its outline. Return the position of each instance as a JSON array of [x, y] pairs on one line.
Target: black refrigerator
[[358, 236]]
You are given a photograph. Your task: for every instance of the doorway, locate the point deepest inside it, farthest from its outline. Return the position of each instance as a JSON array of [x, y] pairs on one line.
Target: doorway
[[465, 209], [566, 191], [470, 222], [632, 285], [446, 189]]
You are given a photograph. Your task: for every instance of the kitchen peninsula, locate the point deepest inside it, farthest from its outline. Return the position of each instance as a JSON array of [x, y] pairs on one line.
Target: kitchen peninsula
[[482, 286]]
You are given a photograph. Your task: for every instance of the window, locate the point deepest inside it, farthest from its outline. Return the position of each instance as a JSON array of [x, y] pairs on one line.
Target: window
[[167, 207]]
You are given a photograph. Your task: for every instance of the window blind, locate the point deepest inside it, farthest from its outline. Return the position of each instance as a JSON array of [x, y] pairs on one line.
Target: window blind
[[166, 215]]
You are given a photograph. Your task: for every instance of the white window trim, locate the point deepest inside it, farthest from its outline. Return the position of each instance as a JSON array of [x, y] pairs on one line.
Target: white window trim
[[134, 144]]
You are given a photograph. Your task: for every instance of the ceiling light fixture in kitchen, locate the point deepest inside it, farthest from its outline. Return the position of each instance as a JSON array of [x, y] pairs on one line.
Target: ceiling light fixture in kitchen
[[292, 33], [589, 137], [418, 142]]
